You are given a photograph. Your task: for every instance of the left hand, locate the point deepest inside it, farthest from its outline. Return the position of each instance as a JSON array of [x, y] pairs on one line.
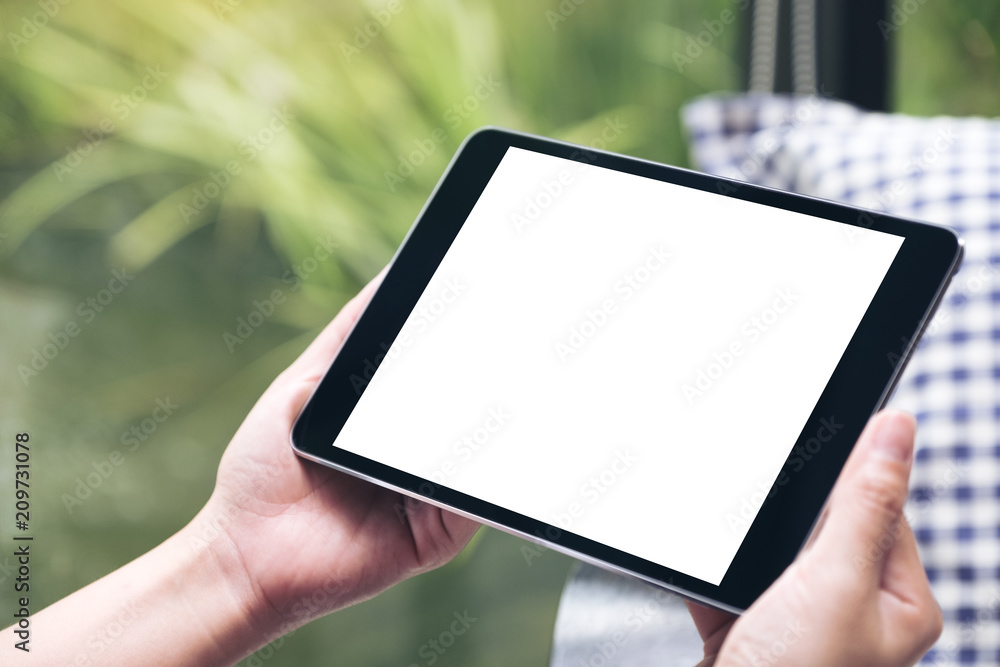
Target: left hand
[[310, 539]]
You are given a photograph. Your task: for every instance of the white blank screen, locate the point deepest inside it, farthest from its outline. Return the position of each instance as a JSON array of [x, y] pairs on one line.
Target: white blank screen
[[628, 359]]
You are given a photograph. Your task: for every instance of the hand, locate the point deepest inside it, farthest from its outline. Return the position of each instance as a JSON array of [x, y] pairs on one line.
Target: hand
[[857, 594], [309, 539]]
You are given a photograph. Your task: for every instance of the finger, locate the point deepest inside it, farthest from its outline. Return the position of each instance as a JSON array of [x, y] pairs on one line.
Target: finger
[[903, 575], [867, 503], [460, 529], [320, 353], [712, 624], [911, 607]]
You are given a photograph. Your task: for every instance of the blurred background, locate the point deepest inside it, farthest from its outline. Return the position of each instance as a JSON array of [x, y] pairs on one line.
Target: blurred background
[[164, 166]]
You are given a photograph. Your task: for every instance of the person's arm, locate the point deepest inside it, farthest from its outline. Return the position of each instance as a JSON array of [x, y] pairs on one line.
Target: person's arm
[[171, 606], [857, 594], [280, 542]]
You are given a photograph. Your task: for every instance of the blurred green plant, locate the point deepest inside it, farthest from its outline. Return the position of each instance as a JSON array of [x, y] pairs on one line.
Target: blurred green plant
[[210, 147], [946, 58], [371, 104]]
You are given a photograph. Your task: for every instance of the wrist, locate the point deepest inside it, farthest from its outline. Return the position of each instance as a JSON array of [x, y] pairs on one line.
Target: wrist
[[266, 599], [229, 606], [186, 602]]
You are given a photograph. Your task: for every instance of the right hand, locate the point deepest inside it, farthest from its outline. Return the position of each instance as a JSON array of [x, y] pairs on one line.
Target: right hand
[[857, 594]]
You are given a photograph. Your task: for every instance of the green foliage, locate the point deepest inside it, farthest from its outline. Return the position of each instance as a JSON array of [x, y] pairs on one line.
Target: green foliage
[[127, 141], [354, 100], [946, 58]]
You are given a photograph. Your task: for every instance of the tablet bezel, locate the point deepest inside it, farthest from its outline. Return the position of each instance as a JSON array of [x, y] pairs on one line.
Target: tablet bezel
[[861, 384]]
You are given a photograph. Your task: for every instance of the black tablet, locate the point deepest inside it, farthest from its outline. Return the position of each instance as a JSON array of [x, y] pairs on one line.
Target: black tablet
[[653, 370]]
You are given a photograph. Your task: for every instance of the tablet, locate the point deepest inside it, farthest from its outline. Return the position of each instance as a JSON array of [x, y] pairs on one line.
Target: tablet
[[654, 370]]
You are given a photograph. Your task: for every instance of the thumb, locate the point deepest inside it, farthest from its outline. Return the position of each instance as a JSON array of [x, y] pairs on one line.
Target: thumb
[[866, 507]]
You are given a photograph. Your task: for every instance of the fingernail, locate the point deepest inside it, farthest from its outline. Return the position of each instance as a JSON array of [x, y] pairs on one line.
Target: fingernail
[[894, 438]]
